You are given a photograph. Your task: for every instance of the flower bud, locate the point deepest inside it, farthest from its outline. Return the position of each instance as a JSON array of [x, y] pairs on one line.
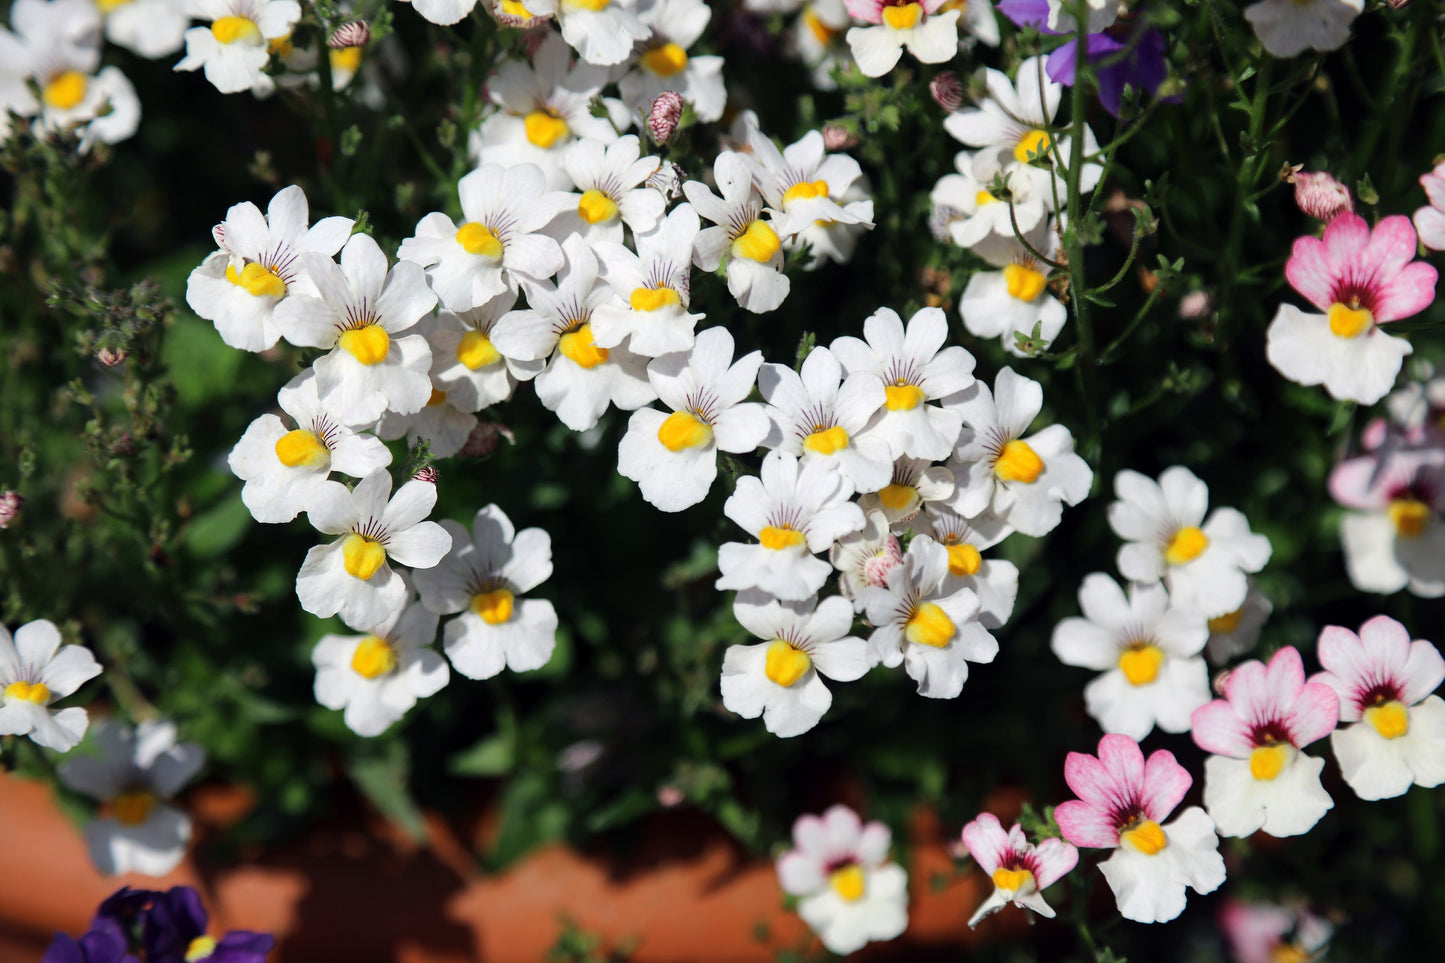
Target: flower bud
[[427, 474], [838, 138], [10, 504], [947, 90], [1321, 196], [663, 118], [1196, 306], [110, 357], [354, 34]]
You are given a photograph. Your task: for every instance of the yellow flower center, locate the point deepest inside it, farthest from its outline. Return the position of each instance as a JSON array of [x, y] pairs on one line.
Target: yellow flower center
[[200, 948], [132, 808], [1186, 545], [579, 347], [515, 8], [36, 692], [777, 537], [666, 60], [827, 441], [963, 559], [595, 207], [362, 556], [1140, 663], [544, 128], [232, 29], [653, 299], [1288, 952], [1146, 838], [106, 6], [475, 350], [593, 5], [1267, 762], [1024, 283], [1035, 142], [346, 60], [848, 882], [1391, 720], [478, 239], [1227, 623], [437, 397], [983, 197], [904, 17], [786, 663], [896, 497], [280, 46], [683, 429], [758, 243], [1348, 322], [1410, 516], [805, 190], [369, 344], [902, 397], [929, 625], [255, 278], [495, 607], [373, 658], [822, 33], [1018, 462], [65, 91], [302, 449], [1012, 880]]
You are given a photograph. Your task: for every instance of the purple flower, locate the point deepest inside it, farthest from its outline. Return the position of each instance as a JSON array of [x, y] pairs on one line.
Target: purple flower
[[175, 932], [104, 942]]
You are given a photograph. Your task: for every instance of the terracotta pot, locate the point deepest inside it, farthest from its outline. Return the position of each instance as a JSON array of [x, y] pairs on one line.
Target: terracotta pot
[[356, 890]]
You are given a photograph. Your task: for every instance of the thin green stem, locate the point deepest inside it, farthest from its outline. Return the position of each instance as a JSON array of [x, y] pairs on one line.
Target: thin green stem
[[1074, 238]]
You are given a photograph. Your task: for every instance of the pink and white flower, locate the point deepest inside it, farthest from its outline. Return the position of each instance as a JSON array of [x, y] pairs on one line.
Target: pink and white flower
[[1361, 279], [865, 557], [1269, 933], [931, 37], [1122, 802], [850, 893], [1385, 683], [1020, 870], [1258, 779], [1430, 219], [1395, 537]]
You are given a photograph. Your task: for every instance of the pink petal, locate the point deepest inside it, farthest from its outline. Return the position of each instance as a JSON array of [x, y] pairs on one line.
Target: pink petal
[[1387, 647], [1165, 783], [1083, 825], [1354, 484], [1314, 715], [1343, 656], [1434, 184], [1217, 728], [1424, 671], [841, 827], [1090, 781], [1346, 241], [1308, 270], [1409, 292], [986, 842], [1391, 247], [1052, 859], [1248, 692], [1124, 761], [1284, 678], [1430, 222]]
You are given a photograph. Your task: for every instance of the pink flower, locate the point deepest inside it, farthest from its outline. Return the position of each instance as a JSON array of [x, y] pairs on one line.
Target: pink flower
[[1258, 779], [1256, 932], [1122, 800], [1430, 220], [1395, 537], [1320, 196], [1354, 269], [1385, 684], [1019, 869]]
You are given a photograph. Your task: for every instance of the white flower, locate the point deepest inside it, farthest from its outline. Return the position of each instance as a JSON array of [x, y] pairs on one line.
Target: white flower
[[1019, 870], [351, 575], [1288, 27], [1024, 481], [282, 468], [611, 191], [850, 894], [1235, 633], [914, 368], [445, 427], [1304, 348], [794, 511], [994, 581], [1204, 567], [362, 306], [931, 37], [664, 63], [914, 484], [377, 677], [36, 670], [151, 28], [497, 243], [865, 557], [817, 420], [136, 772], [258, 265], [581, 379], [971, 215], [233, 50], [1148, 648], [543, 108], [750, 244], [673, 457], [816, 199], [1101, 14], [601, 31], [1000, 304], [443, 12], [925, 623], [819, 36], [1385, 683], [653, 289], [467, 366], [482, 577], [782, 679]]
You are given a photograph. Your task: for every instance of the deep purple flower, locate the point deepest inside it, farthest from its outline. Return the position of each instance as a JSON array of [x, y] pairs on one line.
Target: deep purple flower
[[104, 942], [175, 932]]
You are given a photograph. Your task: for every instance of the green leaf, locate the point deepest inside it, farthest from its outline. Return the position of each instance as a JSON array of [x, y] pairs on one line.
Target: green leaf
[[493, 756], [382, 779], [217, 530], [629, 806]]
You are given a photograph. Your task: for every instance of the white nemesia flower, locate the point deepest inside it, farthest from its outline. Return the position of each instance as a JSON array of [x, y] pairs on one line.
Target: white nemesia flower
[[1000, 304], [467, 366], [351, 575], [664, 63], [815, 198], [1166, 536], [930, 36], [445, 427], [673, 457], [995, 581], [926, 624], [282, 468], [611, 182], [136, 772], [150, 28], [1288, 27], [865, 557], [914, 368], [36, 670], [233, 50], [1018, 869], [258, 265], [794, 511], [972, 215], [1235, 633], [481, 577], [750, 244], [914, 484], [1101, 15], [653, 289], [377, 677], [781, 679], [601, 31], [819, 35]]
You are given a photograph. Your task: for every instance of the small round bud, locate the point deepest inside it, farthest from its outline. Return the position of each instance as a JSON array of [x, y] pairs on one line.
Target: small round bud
[[1321, 196], [427, 474], [947, 90], [664, 116], [110, 357], [354, 34], [10, 504], [1196, 306], [838, 138]]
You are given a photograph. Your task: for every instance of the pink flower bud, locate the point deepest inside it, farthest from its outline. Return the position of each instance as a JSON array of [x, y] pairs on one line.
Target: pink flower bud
[[1321, 196], [427, 474], [877, 566], [838, 138], [1196, 306], [10, 504], [947, 90], [110, 357], [663, 118], [354, 34], [485, 438], [670, 796]]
